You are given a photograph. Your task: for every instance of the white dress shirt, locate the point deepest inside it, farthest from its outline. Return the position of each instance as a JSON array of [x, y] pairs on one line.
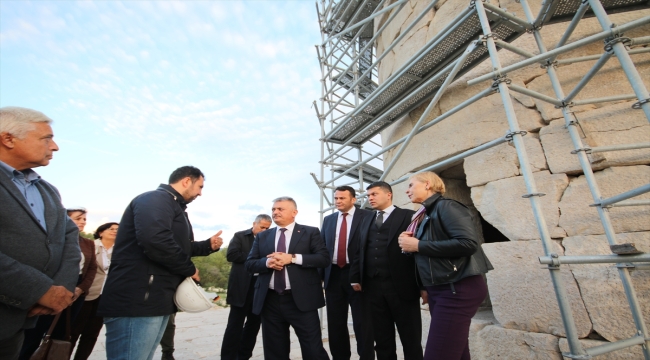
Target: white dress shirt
[[287, 240], [348, 220], [387, 212]]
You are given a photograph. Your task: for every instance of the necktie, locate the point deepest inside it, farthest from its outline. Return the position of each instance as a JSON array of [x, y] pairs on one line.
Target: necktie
[[343, 242], [278, 280], [380, 219]]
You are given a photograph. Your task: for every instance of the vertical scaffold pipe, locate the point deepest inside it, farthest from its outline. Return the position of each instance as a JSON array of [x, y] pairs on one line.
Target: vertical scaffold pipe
[[624, 58], [560, 291], [588, 173]]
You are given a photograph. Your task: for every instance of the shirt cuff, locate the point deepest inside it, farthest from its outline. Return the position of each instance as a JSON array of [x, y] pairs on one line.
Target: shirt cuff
[[299, 259], [267, 263]]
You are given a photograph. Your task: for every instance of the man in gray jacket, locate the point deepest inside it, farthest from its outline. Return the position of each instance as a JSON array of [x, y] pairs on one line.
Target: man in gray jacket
[[39, 249]]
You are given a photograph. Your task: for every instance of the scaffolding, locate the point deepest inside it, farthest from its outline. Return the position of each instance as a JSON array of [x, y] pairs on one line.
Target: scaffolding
[[354, 108]]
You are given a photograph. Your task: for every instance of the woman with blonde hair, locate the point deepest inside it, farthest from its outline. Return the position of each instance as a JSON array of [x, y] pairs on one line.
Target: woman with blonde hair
[[450, 263]]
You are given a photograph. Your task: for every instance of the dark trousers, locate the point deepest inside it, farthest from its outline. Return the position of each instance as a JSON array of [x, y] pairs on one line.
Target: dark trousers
[[86, 329], [167, 340], [451, 315], [339, 295], [389, 310], [34, 336], [239, 338], [10, 347], [280, 312]]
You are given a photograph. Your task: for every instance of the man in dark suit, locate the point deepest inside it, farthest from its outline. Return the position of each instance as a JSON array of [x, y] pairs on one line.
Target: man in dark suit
[[341, 233], [288, 291], [239, 338], [39, 246], [387, 277]]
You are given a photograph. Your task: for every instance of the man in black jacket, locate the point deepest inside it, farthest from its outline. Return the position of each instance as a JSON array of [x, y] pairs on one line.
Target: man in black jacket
[[151, 256], [387, 277], [239, 339]]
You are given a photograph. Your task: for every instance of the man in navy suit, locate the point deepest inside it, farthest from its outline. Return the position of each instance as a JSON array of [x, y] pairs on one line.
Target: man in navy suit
[[341, 233], [288, 291], [387, 278]]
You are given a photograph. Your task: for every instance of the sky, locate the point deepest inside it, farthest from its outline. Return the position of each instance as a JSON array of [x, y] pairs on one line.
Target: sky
[[139, 88]]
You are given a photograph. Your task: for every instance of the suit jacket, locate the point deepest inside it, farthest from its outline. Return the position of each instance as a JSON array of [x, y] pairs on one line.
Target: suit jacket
[[401, 266], [306, 285], [151, 256], [239, 279], [329, 234], [89, 269], [33, 259]]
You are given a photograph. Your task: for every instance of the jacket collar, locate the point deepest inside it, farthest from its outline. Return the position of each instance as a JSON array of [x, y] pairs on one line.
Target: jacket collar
[[178, 197], [428, 203]]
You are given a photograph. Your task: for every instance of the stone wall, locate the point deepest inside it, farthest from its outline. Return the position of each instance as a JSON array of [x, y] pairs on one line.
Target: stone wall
[[524, 322]]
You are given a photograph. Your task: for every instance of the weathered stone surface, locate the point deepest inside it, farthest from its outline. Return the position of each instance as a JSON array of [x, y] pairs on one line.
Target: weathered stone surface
[[623, 354], [470, 127], [501, 162], [495, 342], [444, 15], [579, 219], [618, 124], [411, 44], [602, 289], [522, 293], [500, 203], [481, 320], [609, 81]]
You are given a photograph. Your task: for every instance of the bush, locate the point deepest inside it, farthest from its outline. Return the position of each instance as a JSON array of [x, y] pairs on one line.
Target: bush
[[214, 269]]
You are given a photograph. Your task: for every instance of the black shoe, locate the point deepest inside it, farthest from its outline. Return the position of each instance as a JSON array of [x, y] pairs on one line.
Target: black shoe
[[167, 356]]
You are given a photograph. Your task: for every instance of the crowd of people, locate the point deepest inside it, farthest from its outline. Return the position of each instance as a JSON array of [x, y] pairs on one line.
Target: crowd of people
[[377, 263]]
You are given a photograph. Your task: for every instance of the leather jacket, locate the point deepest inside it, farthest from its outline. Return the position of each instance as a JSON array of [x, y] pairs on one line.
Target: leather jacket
[[449, 248]]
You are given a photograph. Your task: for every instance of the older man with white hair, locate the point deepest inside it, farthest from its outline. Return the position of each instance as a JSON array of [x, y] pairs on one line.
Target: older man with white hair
[[39, 249]]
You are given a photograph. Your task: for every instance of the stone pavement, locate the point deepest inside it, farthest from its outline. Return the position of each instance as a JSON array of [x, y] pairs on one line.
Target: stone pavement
[[198, 336]]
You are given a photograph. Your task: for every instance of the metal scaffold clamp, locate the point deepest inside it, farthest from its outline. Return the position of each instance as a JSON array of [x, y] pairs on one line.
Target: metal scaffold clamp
[[500, 79], [526, 196], [617, 37], [510, 134], [637, 105]]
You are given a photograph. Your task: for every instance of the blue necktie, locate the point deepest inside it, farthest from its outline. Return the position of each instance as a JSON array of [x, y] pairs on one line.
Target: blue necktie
[[278, 281]]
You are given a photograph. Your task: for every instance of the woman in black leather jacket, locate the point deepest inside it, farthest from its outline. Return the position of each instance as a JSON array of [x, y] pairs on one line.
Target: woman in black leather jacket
[[450, 262]]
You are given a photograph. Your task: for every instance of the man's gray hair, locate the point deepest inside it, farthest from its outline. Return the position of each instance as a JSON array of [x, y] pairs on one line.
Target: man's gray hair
[[262, 217], [18, 121], [286, 198]]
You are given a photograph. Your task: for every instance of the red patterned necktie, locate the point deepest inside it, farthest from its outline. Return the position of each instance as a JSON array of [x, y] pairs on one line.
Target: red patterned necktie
[[343, 242]]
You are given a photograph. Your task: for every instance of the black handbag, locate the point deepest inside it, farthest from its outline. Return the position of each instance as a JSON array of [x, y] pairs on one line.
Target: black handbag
[[52, 349]]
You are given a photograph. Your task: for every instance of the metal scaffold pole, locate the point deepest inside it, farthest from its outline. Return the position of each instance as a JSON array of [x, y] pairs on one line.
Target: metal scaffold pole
[[355, 108]]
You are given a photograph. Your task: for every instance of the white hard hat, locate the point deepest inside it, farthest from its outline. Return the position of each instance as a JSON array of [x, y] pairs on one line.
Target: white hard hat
[[190, 298]]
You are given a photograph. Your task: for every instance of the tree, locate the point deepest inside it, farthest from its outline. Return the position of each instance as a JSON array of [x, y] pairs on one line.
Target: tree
[[214, 269]]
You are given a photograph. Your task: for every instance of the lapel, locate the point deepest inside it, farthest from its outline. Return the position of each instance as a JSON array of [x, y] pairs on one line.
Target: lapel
[[50, 207], [298, 233], [9, 185], [269, 247], [329, 231], [397, 216], [356, 221]]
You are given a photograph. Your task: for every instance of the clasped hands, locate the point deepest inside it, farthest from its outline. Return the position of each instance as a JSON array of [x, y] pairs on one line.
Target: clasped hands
[[55, 300], [277, 260], [407, 242]]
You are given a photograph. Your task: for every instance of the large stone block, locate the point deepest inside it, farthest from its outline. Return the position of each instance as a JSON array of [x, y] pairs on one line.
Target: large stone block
[[480, 321], [522, 293], [501, 204], [578, 218], [501, 162], [496, 342], [468, 128], [610, 80], [623, 354], [618, 124], [602, 289]]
